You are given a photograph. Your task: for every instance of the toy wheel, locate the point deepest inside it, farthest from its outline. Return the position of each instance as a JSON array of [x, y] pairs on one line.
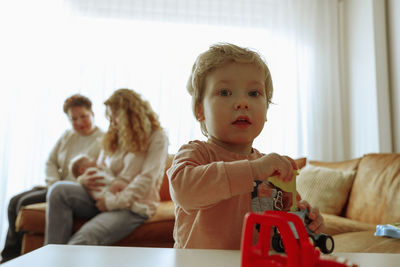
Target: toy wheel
[[326, 244], [277, 244]]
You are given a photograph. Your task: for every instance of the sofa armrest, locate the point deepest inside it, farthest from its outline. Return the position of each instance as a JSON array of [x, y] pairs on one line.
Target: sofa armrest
[[31, 218], [337, 225]]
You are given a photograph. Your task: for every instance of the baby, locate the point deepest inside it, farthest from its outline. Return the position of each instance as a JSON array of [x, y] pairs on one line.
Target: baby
[[82, 165]]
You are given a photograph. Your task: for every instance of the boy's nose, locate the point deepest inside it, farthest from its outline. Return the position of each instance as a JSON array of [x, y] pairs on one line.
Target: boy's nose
[[241, 104]]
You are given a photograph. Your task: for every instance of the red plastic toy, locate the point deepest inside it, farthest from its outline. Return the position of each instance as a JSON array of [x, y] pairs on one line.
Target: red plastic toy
[[299, 252]]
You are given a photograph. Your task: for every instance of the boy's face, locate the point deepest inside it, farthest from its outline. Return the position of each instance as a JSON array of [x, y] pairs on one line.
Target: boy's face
[[234, 106]]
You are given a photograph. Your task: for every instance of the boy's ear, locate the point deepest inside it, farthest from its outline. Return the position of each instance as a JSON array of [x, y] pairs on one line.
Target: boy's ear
[[81, 170], [199, 112]]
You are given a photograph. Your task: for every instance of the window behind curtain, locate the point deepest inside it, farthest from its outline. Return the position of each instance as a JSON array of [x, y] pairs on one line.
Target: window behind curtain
[[56, 48], [155, 59]]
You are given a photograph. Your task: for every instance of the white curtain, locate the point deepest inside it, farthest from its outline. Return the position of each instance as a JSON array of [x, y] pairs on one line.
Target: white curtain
[[51, 49]]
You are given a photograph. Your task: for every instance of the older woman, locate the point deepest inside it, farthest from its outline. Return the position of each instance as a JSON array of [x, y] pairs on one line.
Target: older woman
[[83, 138], [134, 150]]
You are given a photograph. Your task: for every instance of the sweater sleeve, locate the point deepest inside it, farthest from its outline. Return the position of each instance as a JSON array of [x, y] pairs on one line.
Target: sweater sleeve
[[52, 168], [196, 183], [150, 175]]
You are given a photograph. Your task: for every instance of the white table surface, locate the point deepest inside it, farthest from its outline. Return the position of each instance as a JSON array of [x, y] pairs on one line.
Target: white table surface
[[103, 256]]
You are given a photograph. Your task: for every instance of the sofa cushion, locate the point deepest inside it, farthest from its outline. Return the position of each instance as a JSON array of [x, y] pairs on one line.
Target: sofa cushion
[[338, 225], [365, 241], [325, 188], [32, 218], [375, 196]]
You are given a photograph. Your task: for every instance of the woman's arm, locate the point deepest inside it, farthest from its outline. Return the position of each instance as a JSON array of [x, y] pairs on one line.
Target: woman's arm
[[150, 175], [92, 180]]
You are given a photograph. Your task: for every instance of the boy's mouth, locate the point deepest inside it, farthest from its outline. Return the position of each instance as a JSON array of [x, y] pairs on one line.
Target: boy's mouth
[[242, 120]]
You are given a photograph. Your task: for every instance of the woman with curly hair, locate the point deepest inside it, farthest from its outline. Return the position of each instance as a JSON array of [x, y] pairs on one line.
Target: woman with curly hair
[[134, 150]]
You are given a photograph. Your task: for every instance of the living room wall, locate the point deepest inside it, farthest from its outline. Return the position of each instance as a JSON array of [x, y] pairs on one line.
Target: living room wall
[[371, 88], [393, 23]]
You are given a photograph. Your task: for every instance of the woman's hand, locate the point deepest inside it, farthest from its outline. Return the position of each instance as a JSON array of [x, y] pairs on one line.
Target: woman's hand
[[90, 182], [317, 224], [101, 204]]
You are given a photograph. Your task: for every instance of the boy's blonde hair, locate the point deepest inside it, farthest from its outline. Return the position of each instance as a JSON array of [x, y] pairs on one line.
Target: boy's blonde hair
[[214, 57], [76, 163], [136, 122]]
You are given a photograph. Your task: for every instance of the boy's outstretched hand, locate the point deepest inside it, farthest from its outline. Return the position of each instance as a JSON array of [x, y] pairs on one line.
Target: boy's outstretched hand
[[273, 164], [317, 224]]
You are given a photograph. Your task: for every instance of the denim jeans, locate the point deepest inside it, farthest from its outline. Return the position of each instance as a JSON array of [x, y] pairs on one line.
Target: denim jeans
[[67, 200]]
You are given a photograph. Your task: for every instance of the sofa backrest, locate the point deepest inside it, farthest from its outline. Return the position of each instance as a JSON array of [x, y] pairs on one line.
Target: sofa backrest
[[375, 195], [348, 165]]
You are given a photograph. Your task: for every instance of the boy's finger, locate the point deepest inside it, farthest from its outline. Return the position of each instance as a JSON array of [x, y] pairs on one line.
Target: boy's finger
[[317, 225], [292, 162], [314, 212], [302, 204]]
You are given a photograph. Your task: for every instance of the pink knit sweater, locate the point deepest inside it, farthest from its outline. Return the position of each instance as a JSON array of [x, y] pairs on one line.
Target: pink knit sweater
[[211, 188]]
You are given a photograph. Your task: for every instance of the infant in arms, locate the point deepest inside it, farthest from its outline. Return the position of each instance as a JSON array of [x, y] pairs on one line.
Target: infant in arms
[[82, 167]]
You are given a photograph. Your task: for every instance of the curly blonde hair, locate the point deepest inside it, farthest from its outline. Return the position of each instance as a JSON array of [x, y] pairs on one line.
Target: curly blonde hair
[[136, 122], [216, 56]]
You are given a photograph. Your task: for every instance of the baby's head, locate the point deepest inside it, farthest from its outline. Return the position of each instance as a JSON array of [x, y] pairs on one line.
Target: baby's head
[[217, 56], [80, 163]]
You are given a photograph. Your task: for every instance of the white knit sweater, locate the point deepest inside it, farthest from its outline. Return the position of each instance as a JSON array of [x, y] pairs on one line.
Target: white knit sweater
[[67, 147]]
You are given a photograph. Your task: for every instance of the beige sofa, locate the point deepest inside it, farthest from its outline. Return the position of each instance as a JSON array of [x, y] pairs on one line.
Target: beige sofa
[[372, 197]]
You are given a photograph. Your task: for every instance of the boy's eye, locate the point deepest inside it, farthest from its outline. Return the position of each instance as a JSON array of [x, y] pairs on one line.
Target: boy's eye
[[254, 93], [224, 92]]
